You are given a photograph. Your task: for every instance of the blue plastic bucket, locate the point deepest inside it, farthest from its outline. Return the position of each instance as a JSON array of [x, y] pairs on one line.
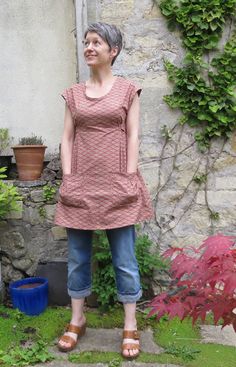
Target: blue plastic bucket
[[30, 295]]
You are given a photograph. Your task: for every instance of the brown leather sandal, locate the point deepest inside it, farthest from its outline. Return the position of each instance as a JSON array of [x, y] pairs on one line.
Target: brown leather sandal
[[130, 334], [79, 330]]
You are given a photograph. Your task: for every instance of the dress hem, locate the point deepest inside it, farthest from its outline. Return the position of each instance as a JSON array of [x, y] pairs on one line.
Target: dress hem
[[94, 228]]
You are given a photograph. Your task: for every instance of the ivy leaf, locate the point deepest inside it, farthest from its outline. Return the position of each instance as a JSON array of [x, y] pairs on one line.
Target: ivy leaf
[[214, 108]]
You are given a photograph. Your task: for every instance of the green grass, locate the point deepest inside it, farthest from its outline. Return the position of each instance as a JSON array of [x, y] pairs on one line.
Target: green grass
[[180, 340]]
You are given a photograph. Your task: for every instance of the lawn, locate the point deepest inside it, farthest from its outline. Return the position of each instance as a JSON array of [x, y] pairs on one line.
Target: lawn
[[25, 339]]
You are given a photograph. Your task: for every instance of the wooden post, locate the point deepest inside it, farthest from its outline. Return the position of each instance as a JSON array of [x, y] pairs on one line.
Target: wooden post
[[81, 25]]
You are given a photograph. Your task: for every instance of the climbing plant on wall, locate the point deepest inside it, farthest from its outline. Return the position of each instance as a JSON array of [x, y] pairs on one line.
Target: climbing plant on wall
[[204, 88], [203, 91]]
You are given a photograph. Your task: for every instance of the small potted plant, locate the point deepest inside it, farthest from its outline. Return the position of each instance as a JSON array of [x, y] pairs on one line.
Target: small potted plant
[[5, 141], [29, 156]]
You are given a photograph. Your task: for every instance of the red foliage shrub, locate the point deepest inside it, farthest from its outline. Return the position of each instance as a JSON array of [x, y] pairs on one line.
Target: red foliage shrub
[[203, 280]]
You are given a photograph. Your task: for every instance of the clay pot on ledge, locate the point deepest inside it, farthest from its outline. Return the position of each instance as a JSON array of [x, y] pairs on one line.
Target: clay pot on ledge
[[29, 155]]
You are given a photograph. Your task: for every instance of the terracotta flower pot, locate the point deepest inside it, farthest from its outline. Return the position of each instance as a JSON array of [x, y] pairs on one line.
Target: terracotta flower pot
[[29, 161]]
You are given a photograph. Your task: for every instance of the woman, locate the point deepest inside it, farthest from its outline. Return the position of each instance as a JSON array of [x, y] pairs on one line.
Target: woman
[[102, 187]]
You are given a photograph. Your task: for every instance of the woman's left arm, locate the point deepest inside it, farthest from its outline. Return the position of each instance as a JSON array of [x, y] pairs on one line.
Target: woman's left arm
[[132, 124]]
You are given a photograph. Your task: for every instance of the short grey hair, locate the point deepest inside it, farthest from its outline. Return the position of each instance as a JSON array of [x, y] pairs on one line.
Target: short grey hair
[[109, 33]]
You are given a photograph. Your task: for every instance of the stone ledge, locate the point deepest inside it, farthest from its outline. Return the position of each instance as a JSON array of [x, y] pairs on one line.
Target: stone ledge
[[216, 335]]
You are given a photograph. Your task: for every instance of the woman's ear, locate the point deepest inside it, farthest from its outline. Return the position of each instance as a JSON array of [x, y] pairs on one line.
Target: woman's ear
[[114, 52]]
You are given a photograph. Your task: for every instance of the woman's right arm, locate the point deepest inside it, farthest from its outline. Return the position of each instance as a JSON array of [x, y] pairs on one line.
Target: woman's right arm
[[67, 141]]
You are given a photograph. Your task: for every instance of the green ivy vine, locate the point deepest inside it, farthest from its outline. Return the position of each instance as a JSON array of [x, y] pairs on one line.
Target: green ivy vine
[[203, 91]]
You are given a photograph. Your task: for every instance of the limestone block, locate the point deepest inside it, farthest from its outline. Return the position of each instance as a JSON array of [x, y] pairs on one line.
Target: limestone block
[[50, 212], [59, 233], [37, 196], [186, 172], [6, 261], [148, 41], [13, 244], [226, 218], [226, 183], [3, 226], [116, 10], [189, 240], [200, 199], [32, 215], [225, 162], [10, 275], [152, 12], [200, 219], [233, 142], [22, 264], [16, 214], [217, 199], [135, 57]]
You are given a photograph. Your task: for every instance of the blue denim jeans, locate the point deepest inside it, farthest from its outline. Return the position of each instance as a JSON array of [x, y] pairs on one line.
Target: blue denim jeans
[[122, 245]]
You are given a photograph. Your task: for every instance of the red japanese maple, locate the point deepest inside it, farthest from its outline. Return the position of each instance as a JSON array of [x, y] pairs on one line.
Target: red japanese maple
[[203, 280]]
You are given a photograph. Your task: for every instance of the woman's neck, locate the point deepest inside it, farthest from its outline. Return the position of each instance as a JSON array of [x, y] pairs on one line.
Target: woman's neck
[[101, 76]]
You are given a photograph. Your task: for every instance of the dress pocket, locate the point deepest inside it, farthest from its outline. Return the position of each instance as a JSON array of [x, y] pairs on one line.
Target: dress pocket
[[71, 191], [125, 188]]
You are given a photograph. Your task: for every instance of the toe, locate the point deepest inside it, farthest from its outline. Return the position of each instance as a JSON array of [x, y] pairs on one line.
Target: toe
[[126, 352]]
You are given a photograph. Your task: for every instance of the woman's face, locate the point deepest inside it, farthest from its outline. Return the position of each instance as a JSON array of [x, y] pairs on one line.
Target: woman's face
[[97, 51]]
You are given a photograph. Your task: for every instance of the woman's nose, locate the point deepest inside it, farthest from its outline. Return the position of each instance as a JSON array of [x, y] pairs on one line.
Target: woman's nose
[[90, 46]]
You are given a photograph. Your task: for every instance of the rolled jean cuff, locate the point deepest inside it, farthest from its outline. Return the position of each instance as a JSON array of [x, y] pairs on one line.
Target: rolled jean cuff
[[79, 294], [129, 298]]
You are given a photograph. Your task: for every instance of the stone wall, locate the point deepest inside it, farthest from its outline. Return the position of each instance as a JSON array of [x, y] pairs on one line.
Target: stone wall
[[182, 206], [28, 236]]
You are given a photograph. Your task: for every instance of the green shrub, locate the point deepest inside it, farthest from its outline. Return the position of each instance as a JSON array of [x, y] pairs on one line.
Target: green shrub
[[8, 196], [104, 277], [49, 192]]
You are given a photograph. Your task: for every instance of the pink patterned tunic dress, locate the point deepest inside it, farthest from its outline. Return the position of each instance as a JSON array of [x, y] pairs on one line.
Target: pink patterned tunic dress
[[99, 193]]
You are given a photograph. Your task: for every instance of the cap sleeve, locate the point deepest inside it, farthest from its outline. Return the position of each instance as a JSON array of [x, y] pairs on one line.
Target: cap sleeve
[[68, 96], [134, 88]]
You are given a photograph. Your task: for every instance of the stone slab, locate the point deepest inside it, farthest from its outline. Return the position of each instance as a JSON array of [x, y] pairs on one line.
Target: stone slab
[[66, 363], [135, 364], [216, 335], [107, 340]]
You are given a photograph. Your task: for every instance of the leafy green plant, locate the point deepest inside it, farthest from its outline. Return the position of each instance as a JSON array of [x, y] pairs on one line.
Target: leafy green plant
[[199, 179], [204, 92], [187, 353], [147, 261], [104, 276], [49, 192], [8, 196], [165, 132], [42, 212], [31, 140], [24, 356], [5, 139], [214, 215]]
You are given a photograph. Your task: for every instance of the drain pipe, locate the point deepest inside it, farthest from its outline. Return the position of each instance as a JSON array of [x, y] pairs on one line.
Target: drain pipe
[[81, 11]]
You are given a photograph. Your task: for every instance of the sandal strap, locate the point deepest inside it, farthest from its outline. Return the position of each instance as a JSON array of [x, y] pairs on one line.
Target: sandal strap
[[68, 339], [130, 346], [75, 329], [131, 334]]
